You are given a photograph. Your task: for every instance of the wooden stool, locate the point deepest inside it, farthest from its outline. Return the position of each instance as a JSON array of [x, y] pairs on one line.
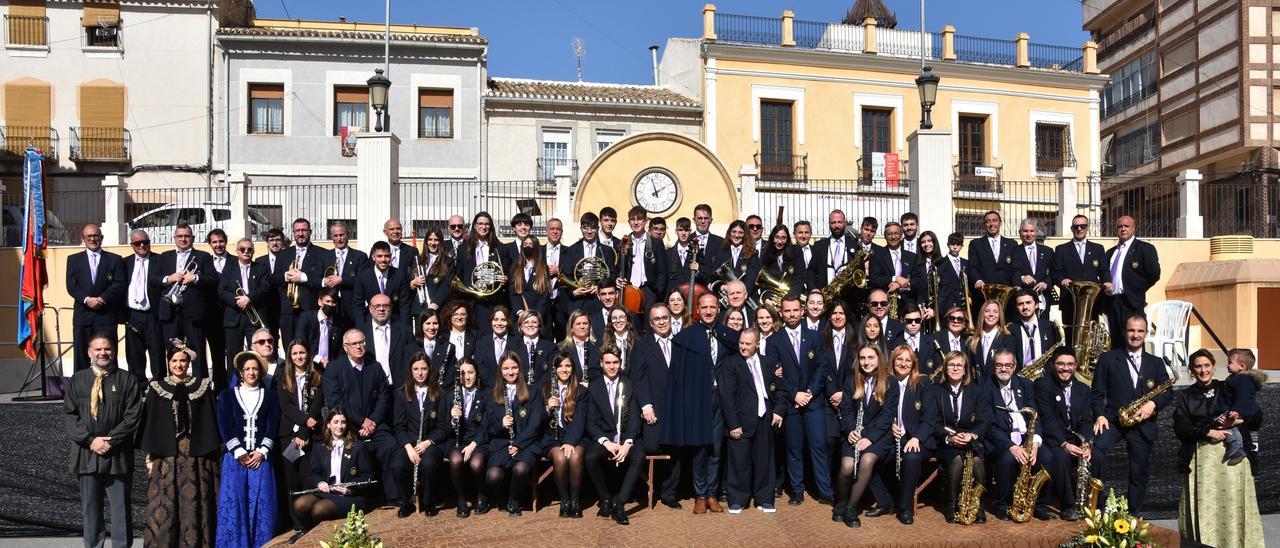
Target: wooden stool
[[536, 479], [649, 479], [933, 475]]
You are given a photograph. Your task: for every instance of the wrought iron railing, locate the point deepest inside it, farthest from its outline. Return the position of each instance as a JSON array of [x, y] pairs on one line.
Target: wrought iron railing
[[748, 29], [23, 30], [991, 51], [1048, 56], [546, 169], [868, 176], [101, 143], [1112, 108], [774, 166], [14, 140], [965, 175]]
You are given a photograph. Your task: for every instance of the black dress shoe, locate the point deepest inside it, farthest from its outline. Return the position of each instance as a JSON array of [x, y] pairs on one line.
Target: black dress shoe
[[297, 534], [1070, 514], [672, 504], [880, 511], [950, 516], [566, 510], [837, 513], [605, 509], [1043, 514], [851, 519], [463, 511], [796, 500], [982, 516], [431, 510], [777, 492], [905, 518], [577, 509], [620, 515], [824, 500], [513, 508], [404, 512], [482, 507]]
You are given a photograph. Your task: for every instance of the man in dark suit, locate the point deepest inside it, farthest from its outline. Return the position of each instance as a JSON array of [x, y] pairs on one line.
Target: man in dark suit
[[143, 337], [691, 391], [893, 268], [358, 384], [1035, 333], [1121, 376], [388, 343], [551, 255], [878, 306], [802, 233], [217, 338], [832, 253], [307, 276], [588, 246], [348, 264], [1078, 260], [753, 406], [384, 279], [319, 329], [1032, 264], [707, 242], [990, 260], [912, 335], [251, 279], [454, 242], [188, 321], [802, 356], [1134, 268], [678, 257], [271, 308], [1009, 394], [613, 428], [1065, 416], [96, 280], [951, 276], [402, 254], [652, 358], [645, 263]]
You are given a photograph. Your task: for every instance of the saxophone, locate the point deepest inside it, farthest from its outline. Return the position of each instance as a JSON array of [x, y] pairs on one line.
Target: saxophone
[[1129, 413], [854, 273], [1035, 369], [970, 493], [1027, 488], [1087, 487]]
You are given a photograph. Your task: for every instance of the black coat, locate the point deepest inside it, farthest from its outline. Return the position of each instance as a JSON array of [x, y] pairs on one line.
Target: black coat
[[155, 289], [1140, 271], [293, 416], [1022, 266], [357, 464], [442, 360], [569, 259], [354, 262], [1000, 435], [164, 403], [602, 422], [820, 271], [259, 291], [433, 423], [649, 372], [307, 329], [530, 420], [1113, 387], [657, 270], [877, 418], [936, 348], [402, 346], [689, 383], [974, 417], [397, 288], [984, 365], [920, 413], [473, 427], [362, 394], [485, 355], [574, 429], [1045, 331], [540, 361], [950, 288], [881, 274], [313, 264], [196, 296], [985, 267], [1057, 428], [591, 370], [739, 400], [407, 253], [1067, 265], [111, 285]]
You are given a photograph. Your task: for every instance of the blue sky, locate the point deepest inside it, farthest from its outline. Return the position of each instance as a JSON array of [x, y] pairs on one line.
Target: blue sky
[[531, 39]]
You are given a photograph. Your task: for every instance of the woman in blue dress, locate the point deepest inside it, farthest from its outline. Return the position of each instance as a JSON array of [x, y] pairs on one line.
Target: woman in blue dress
[[247, 415]]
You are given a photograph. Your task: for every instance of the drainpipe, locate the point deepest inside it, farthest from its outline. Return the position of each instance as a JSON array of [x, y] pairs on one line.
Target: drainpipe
[[653, 52]]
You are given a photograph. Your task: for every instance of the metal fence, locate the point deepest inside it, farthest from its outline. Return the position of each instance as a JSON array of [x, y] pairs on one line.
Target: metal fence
[[101, 143], [66, 213], [1152, 203], [1055, 57], [814, 200], [748, 29], [429, 204], [992, 51], [322, 203], [159, 211], [1240, 207]]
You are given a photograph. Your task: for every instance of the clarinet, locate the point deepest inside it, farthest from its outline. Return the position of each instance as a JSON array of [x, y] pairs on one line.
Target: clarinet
[[457, 400], [506, 412], [556, 432], [622, 410], [857, 427], [422, 412], [897, 454]]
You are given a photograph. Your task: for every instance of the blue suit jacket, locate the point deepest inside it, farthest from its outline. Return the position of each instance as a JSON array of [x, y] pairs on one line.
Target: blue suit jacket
[[1113, 387], [809, 372]]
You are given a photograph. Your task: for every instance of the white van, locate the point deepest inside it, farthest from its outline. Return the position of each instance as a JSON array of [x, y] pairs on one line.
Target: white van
[[159, 223]]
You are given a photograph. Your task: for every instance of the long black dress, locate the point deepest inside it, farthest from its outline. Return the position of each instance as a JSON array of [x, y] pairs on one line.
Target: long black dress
[[180, 437]]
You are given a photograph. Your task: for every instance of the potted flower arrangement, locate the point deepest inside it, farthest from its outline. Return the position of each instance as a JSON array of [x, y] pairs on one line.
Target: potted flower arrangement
[[353, 533], [1112, 526]]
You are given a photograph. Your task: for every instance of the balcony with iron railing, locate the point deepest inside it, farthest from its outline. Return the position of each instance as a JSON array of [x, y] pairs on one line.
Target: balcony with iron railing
[[869, 174], [787, 32], [546, 171], [1132, 30], [14, 141], [1110, 108], [100, 144], [782, 167], [22, 30]]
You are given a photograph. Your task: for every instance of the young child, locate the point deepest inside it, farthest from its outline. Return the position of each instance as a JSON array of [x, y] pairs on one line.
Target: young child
[[1239, 400]]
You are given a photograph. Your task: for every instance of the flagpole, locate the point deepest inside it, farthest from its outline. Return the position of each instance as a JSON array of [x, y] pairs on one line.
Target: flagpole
[[32, 266]]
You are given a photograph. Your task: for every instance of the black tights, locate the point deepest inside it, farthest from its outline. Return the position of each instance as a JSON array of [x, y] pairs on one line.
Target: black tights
[[458, 472], [955, 469], [310, 510], [519, 479], [866, 466], [568, 472]]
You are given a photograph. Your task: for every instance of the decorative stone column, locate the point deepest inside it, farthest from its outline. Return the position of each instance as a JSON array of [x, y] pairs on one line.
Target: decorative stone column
[[377, 183], [929, 168]]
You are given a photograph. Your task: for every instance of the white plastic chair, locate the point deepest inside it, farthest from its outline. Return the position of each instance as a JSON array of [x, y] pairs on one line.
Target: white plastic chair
[[1170, 323]]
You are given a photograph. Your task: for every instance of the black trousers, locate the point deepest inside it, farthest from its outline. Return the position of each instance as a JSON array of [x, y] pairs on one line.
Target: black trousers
[[117, 490], [750, 470], [288, 325], [669, 469], [1006, 469], [290, 477], [1139, 460], [597, 458], [217, 341], [912, 469], [82, 334], [192, 331], [403, 470], [144, 344], [1062, 469]]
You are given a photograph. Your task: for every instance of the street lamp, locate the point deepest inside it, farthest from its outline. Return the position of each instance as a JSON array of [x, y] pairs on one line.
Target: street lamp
[[378, 86], [927, 84]]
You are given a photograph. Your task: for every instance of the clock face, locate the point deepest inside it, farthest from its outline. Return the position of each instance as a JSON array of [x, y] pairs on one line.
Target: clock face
[[656, 191]]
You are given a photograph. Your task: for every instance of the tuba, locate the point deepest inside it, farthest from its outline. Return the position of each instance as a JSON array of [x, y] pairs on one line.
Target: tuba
[[1035, 369], [1028, 485], [485, 280], [1091, 337], [772, 290], [853, 274], [998, 292]]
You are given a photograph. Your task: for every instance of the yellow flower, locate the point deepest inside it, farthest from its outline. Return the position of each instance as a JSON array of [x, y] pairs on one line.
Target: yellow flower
[[1121, 526], [1091, 539]]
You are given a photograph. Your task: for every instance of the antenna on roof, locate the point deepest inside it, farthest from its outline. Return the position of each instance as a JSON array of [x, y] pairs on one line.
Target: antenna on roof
[[579, 51]]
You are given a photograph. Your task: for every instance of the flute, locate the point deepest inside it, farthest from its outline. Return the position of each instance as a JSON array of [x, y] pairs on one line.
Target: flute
[[347, 485], [621, 410]]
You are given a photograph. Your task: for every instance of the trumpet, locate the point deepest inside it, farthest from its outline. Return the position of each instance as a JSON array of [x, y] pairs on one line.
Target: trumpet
[[250, 311], [293, 291], [176, 291]]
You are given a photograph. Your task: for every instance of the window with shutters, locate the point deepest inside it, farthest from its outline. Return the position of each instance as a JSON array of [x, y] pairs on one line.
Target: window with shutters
[[776, 160], [266, 109], [435, 113], [26, 24], [101, 22], [875, 136], [555, 151], [101, 134], [350, 108], [27, 110], [973, 143]]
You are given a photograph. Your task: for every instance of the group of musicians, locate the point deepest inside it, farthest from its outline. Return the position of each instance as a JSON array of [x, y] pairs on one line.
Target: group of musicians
[[775, 362]]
